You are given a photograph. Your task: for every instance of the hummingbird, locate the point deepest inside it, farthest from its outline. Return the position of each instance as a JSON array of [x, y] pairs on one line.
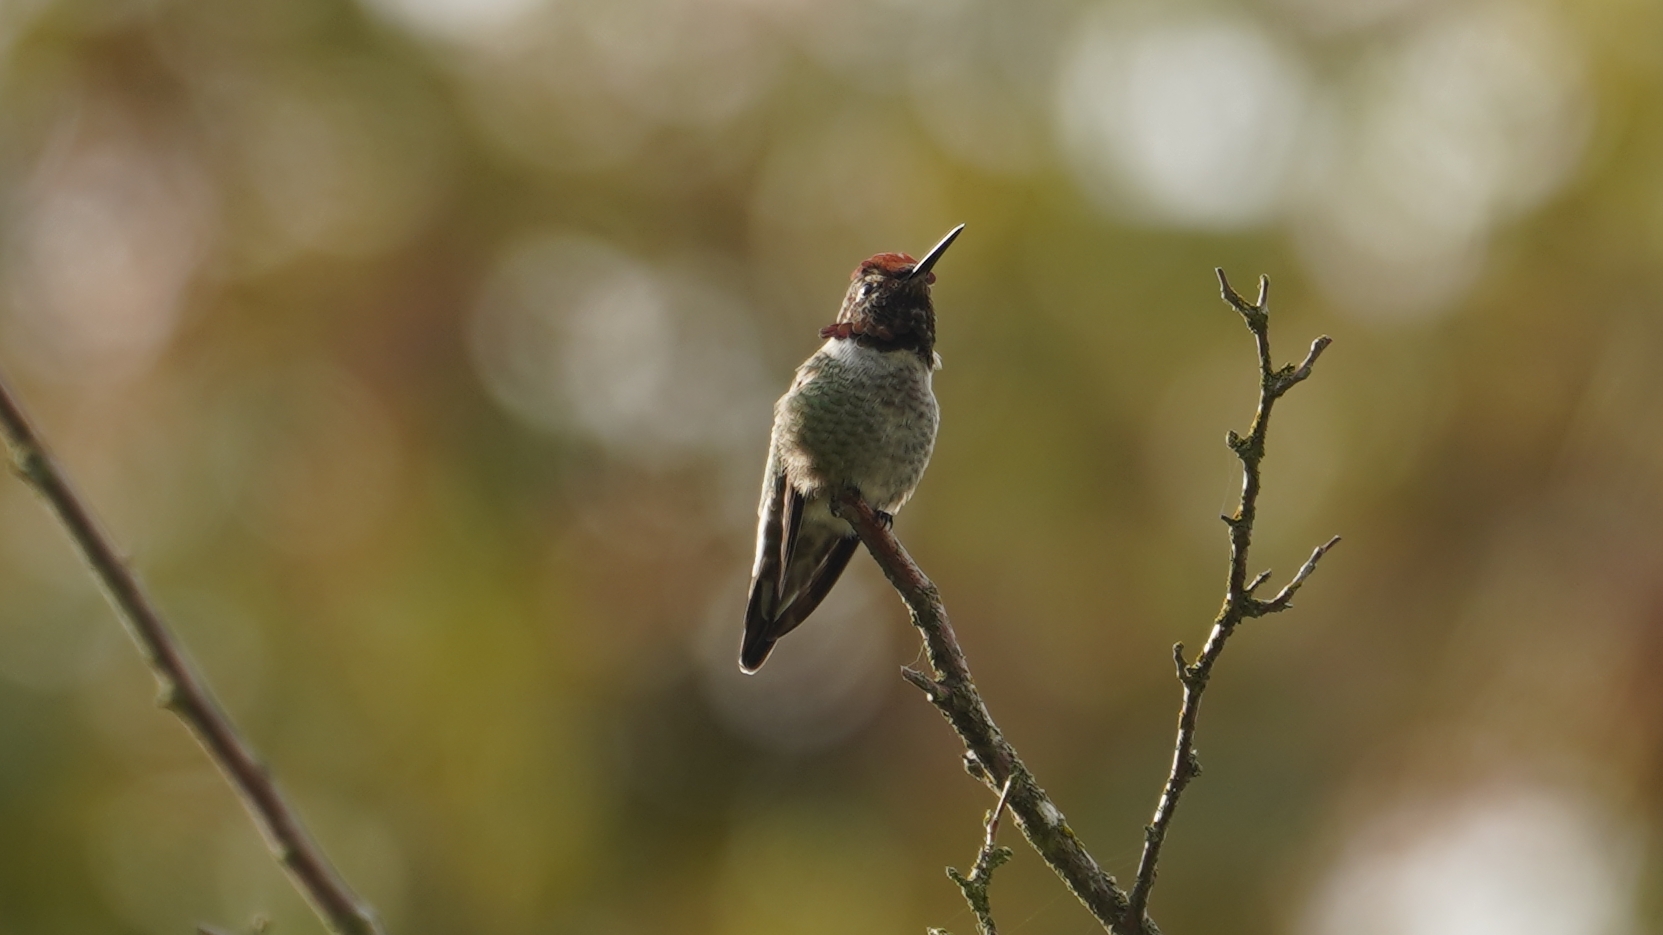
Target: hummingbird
[[860, 415]]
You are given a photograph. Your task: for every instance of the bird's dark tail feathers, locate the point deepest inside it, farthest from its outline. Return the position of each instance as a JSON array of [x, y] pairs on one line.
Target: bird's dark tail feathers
[[763, 628]]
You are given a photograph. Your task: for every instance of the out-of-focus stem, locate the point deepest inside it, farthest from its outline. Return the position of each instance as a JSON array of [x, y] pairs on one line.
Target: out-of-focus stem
[[182, 690]]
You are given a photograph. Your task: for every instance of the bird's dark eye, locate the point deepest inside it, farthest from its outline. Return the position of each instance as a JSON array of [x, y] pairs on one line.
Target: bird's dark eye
[[866, 289]]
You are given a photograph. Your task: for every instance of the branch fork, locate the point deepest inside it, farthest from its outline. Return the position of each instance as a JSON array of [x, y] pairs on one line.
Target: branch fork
[[1240, 602], [993, 761], [990, 858], [989, 758]]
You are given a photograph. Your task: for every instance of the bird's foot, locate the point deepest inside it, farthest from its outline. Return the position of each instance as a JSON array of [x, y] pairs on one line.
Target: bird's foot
[[837, 505]]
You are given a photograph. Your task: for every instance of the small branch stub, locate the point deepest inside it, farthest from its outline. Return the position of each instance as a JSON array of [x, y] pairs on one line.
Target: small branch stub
[[1283, 599], [988, 859]]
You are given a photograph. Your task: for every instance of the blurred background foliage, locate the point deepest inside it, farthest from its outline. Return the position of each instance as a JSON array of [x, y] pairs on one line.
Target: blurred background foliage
[[422, 351]]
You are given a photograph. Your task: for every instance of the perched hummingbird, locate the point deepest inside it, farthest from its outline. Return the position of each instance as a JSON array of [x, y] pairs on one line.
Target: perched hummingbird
[[860, 415]]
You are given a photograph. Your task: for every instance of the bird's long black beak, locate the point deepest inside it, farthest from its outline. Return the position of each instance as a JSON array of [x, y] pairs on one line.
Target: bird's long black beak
[[923, 267]]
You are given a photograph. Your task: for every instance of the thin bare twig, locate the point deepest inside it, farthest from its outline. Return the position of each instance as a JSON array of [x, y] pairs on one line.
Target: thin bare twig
[[183, 691], [1239, 602], [988, 859], [989, 757]]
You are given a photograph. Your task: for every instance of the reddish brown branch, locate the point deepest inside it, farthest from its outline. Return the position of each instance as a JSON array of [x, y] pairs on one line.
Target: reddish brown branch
[[182, 689]]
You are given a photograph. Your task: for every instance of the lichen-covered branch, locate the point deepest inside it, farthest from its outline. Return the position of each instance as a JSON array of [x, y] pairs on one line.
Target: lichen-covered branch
[[989, 858], [988, 757], [1239, 600], [182, 690]]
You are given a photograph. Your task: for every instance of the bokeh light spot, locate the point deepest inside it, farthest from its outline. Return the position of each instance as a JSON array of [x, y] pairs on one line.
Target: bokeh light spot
[[572, 335], [1477, 115], [1502, 861], [454, 19], [823, 682], [111, 232], [1185, 120]]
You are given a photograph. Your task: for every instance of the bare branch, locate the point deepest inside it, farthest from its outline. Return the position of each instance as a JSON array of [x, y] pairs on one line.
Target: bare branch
[[183, 691], [989, 757], [993, 819], [1304, 369], [919, 679], [1239, 602], [1281, 601], [992, 760], [990, 858], [1234, 298]]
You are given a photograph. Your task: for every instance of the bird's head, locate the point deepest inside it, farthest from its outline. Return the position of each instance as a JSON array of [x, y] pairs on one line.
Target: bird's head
[[888, 303]]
